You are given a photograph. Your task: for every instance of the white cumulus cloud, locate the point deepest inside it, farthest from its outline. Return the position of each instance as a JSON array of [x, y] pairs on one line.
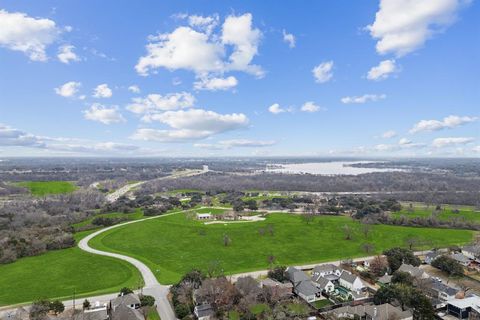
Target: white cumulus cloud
[[66, 54], [69, 89], [384, 69], [102, 91], [449, 122], [196, 48], [289, 39], [134, 88], [32, 36], [214, 84], [323, 72], [156, 103], [403, 26], [103, 114], [310, 106], [363, 99], [192, 124]]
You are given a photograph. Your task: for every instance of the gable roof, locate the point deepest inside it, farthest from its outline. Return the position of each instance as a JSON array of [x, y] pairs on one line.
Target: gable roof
[[441, 287], [385, 279], [307, 288], [122, 312], [127, 299], [321, 282], [203, 310], [296, 275], [460, 257], [348, 277], [380, 312], [415, 272], [323, 268]]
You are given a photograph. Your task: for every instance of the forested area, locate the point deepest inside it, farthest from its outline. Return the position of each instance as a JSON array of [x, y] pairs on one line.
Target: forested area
[[32, 226]]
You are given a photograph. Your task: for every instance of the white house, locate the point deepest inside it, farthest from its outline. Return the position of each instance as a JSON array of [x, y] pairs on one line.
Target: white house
[[204, 216], [350, 281], [323, 284], [329, 271]]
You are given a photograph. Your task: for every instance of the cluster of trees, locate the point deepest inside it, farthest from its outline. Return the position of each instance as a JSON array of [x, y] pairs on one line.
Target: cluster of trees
[[224, 296], [448, 265], [31, 226], [403, 288], [41, 308], [432, 221]]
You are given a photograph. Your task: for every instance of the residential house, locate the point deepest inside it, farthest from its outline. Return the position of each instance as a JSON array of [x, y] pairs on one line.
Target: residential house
[[204, 216], [430, 256], [329, 271], [130, 300], [95, 313], [415, 272], [385, 279], [351, 281], [460, 258], [466, 308], [124, 312], [295, 275], [472, 252], [441, 291], [323, 284], [307, 291], [203, 312], [279, 288], [372, 312]]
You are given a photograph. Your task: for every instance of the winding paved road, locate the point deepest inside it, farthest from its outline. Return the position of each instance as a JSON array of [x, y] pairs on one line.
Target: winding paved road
[[152, 286]]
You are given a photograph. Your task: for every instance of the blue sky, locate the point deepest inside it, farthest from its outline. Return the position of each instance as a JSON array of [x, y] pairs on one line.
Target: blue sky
[[240, 78]]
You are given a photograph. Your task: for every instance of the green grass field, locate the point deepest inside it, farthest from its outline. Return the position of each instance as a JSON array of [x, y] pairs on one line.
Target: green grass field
[[173, 245], [42, 188], [210, 210], [56, 274], [446, 213]]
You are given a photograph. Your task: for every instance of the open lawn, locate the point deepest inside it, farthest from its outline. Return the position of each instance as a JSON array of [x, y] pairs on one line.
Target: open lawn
[[210, 210], [42, 188], [446, 212], [173, 245], [56, 274]]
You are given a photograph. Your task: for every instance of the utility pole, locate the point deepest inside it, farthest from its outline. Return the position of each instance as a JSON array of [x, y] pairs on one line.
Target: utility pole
[[73, 313]]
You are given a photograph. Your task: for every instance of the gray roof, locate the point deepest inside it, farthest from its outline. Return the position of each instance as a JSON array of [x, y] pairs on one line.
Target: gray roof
[[307, 288], [460, 257], [383, 312], [321, 282], [474, 248], [432, 254], [122, 312], [274, 283], [325, 268], [296, 275], [385, 279], [127, 299], [203, 310], [440, 287], [347, 276], [93, 314], [415, 272]]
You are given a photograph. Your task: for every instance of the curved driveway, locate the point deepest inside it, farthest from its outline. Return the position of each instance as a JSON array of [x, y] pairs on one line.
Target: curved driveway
[[152, 286]]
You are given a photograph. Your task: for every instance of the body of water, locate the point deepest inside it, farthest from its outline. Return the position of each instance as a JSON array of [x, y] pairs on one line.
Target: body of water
[[326, 168]]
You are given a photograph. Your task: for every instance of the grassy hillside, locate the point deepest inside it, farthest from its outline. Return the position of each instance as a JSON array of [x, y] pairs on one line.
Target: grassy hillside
[[446, 212], [56, 274], [42, 188], [173, 245]]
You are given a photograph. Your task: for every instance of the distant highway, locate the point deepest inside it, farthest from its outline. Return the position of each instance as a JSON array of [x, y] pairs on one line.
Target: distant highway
[[114, 196]]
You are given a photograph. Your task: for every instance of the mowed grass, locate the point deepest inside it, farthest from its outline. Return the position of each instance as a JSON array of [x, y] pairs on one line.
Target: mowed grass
[[56, 274], [42, 188], [173, 245], [445, 214]]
